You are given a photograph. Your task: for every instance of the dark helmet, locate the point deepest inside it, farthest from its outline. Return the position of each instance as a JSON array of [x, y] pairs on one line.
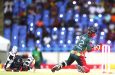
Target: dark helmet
[[92, 29]]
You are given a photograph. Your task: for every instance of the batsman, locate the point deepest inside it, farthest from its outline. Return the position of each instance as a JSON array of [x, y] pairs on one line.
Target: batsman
[[78, 52]]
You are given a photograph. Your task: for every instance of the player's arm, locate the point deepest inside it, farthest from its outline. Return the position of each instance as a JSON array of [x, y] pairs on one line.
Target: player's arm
[[95, 48], [91, 47]]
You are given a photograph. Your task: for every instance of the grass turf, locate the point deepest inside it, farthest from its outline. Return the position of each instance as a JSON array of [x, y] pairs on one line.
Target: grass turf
[[61, 72]]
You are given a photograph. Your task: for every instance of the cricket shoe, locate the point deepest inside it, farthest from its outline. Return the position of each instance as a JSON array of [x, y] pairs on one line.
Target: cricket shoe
[[56, 68], [80, 69]]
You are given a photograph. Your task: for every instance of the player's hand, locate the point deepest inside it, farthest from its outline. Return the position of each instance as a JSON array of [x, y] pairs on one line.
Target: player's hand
[[97, 47]]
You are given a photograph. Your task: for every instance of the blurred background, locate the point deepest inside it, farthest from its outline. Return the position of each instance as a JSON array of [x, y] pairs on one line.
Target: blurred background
[[55, 25]]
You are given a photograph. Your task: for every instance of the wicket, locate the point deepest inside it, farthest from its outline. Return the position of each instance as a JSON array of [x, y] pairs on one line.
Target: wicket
[[105, 56]]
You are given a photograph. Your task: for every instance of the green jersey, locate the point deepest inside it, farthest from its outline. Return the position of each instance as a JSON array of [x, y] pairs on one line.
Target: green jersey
[[37, 55], [83, 43]]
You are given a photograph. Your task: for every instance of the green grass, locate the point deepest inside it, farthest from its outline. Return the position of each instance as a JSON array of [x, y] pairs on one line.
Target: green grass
[[61, 72]]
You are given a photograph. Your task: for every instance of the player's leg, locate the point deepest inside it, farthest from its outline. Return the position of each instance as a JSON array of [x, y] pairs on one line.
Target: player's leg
[[7, 66], [82, 66], [37, 65], [63, 64], [8, 62]]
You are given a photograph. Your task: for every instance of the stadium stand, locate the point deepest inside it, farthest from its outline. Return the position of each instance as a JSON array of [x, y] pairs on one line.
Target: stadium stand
[[55, 25]]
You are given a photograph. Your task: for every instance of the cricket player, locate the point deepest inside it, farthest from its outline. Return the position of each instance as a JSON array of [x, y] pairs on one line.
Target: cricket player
[[78, 52], [37, 55], [15, 62], [20, 65]]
